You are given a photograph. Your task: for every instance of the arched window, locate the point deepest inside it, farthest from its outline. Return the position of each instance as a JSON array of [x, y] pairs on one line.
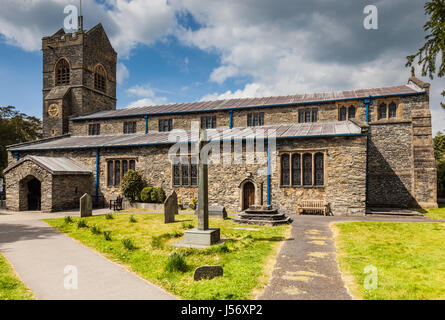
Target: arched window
[[392, 110], [382, 111], [62, 73], [351, 112], [342, 115], [307, 169], [296, 169], [319, 169], [285, 181], [100, 78]]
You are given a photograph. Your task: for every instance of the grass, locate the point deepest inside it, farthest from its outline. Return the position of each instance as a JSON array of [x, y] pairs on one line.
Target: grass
[[409, 258], [435, 214], [11, 287], [245, 258]]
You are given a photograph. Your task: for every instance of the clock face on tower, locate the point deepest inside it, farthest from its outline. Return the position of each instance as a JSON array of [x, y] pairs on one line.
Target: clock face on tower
[[53, 111]]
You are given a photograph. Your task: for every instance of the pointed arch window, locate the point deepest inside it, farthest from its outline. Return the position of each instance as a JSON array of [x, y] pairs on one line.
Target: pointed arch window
[[351, 112], [342, 115], [63, 73], [100, 77]]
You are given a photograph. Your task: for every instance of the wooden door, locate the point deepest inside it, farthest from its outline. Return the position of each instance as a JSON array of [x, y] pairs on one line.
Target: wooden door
[[248, 195]]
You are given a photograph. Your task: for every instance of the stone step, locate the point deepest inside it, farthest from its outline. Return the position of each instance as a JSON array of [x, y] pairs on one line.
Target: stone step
[[393, 212], [250, 216], [259, 211], [263, 222]]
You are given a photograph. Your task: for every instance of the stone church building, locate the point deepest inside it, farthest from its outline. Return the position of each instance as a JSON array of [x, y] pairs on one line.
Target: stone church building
[[354, 149]]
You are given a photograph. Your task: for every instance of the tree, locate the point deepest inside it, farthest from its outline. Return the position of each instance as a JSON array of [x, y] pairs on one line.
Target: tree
[[132, 185], [439, 154], [434, 46], [16, 127]]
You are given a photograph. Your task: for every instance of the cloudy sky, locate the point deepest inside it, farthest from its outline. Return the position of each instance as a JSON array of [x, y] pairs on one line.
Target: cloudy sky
[[187, 50]]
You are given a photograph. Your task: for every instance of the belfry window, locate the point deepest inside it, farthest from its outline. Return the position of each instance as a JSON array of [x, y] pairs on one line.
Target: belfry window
[[62, 73], [100, 77]]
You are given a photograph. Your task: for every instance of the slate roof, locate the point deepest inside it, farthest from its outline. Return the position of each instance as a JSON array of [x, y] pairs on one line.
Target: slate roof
[[283, 131], [245, 103], [55, 166]]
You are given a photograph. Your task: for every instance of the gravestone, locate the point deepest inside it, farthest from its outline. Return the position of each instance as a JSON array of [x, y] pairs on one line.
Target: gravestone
[[170, 208], [207, 272], [86, 206], [216, 212]]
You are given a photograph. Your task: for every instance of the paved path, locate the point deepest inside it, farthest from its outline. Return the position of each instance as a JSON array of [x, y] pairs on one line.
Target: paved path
[[40, 254], [306, 267]]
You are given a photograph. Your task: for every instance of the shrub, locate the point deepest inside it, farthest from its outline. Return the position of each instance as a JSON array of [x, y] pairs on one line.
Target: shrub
[[192, 204], [95, 230], [133, 219], [146, 194], [128, 244], [81, 224], [107, 235], [158, 195], [176, 262], [68, 219], [109, 216], [132, 185]]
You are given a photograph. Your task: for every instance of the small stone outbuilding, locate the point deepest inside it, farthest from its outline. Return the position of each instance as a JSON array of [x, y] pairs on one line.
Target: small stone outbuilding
[[46, 184]]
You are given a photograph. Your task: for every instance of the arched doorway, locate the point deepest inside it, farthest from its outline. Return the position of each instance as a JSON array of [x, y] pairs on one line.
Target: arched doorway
[[34, 194], [248, 195]]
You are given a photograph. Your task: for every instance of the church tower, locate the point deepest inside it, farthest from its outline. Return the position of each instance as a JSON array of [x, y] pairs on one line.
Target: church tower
[[79, 77]]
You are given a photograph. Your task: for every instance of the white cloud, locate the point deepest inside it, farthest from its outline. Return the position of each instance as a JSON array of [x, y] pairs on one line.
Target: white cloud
[[141, 91], [122, 73], [128, 22], [146, 102]]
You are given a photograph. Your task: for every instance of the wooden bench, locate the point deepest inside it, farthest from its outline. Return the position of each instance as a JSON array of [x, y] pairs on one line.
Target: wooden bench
[[312, 206], [116, 205]]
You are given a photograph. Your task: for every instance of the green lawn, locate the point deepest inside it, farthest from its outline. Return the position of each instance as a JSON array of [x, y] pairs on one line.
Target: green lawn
[[246, 259], [11, 288], [436, 214], [409, 257]]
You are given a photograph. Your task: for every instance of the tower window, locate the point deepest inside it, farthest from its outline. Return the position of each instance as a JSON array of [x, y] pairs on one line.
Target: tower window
[[62, 73], [100, 78]]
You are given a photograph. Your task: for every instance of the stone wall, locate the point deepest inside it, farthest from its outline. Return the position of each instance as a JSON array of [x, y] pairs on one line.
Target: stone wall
[[16, 188], [59, 192], [401, 161], [344, 185]]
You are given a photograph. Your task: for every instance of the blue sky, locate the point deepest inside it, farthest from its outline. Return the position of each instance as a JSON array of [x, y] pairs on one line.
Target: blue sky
[[187, 50]]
